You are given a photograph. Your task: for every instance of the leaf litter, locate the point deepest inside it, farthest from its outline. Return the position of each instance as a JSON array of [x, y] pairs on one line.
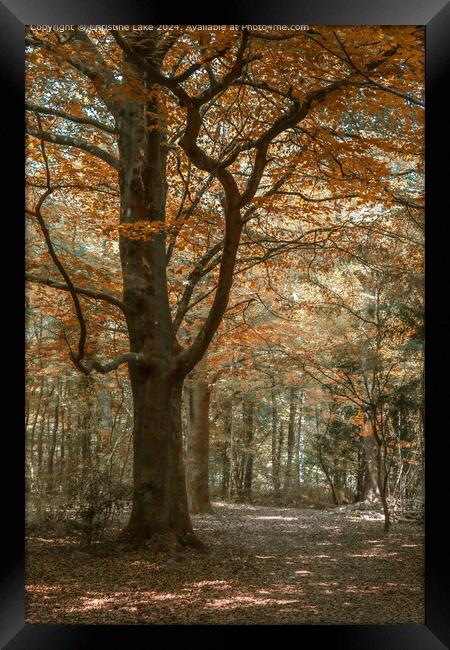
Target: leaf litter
[[264, 565]]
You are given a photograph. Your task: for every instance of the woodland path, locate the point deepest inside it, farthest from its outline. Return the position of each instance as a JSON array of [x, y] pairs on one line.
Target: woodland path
[[267, 566]]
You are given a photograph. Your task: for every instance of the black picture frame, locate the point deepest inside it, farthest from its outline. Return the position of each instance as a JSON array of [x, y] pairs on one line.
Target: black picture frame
[[435, 634]]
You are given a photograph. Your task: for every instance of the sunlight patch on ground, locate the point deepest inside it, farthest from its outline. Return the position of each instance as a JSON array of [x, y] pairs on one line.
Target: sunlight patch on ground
[[54, 540], [168, 596], [126, 600], [374, 516], [234, 506], [247, 601], [42, 589], [221, 584], [273, 517], [95, 603], [372, 553]]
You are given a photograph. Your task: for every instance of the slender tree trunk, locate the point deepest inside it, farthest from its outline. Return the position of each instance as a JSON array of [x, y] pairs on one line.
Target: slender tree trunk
[[197, 449], [40, 446], [232, 455], [226, 478], [279, 452], [327, 473], [371, 490], [62, 455], [300, 447], [37, 411], [382, 486], [381, 470], [248, 408], [293, 397], [383, 493], [85, 439], [239, 470], [52, 448], [73, 445], [361, 476], [225, 470], [275, 467]]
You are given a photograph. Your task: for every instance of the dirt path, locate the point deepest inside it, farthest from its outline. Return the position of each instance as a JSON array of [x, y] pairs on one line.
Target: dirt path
[[268, 566]]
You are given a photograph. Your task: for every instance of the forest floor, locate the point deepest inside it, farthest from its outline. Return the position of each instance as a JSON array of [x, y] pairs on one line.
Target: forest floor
[[267, 565]]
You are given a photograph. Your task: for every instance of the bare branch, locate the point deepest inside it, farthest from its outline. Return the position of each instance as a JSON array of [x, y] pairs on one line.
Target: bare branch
[[193, 278], [232, 75], [325, 198], [62, 270]]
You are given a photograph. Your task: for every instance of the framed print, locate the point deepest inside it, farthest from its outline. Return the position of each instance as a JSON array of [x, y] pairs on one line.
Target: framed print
[[235, 329]]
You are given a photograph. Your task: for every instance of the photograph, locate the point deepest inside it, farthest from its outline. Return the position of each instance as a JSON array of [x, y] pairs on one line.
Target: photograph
[[225, 324]]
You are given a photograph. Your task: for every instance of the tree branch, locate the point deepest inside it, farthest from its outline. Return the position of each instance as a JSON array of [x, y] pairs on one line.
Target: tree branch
[[62, 270], [68, 141], [67, 116], [96, 70], [89, 293], [103, 368], [296, 114], [192, 281]]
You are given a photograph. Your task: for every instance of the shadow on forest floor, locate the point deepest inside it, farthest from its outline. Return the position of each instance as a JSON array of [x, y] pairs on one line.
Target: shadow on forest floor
[[268, 566]]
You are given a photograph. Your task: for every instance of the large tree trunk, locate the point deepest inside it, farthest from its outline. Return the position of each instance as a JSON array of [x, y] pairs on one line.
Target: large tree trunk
[[197, 447], [159, 494], [160, 507]]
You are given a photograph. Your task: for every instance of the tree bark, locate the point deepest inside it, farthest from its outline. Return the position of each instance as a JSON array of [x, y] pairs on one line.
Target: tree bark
[[197, 448], [52, 447], [329, 478], [232, 453], [248, 420], [275, 467], [377, 448], [293, 397], [371, 488], [62, 455], [299, 448], [226, 452], [160, 505]]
